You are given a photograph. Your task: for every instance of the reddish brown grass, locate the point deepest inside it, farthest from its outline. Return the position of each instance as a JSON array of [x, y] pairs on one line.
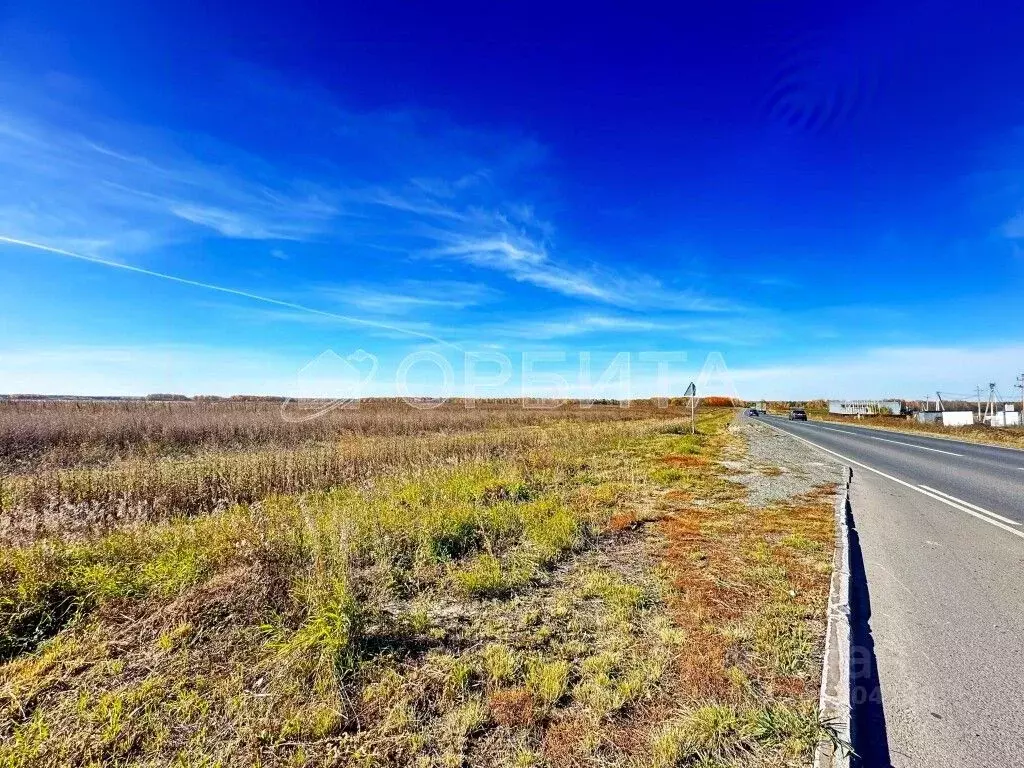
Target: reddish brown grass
[[714, 551], [684, 460], [622, 521], [512, 707], [717, 401], [704, 598], [565, 742]]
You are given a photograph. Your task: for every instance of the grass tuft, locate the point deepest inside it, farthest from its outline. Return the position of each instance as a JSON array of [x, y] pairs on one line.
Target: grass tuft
[[501, 664], [547, 681]]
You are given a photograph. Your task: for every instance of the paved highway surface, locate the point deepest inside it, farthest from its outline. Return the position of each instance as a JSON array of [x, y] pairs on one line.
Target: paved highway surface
[[938, 557]]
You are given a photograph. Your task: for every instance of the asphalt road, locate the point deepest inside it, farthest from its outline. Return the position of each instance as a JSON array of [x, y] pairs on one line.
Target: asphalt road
[[938, 557]]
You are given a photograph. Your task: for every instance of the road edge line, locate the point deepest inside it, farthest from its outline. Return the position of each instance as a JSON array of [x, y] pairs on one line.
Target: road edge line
[[911, 433], [854, 463], [834, 699]]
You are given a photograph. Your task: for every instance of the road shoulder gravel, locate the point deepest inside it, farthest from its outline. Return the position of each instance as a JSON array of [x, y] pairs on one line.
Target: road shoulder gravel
[[777, 466]]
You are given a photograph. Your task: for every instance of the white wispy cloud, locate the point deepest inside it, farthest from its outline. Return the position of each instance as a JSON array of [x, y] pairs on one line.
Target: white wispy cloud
[[1014, 228], [408, 296], [680, 331], [293, 309], [523, 260], [512, 239], [411, 184], [73, 188], [244, 226]]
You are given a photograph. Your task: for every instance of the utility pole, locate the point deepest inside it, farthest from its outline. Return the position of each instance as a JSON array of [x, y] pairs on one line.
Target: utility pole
[[1020, 385], [990, 409], [979, 403]]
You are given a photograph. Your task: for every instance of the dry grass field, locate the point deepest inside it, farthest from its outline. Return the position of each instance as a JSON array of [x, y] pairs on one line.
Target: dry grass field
[[40, 434], [581, 587], [88, 466]]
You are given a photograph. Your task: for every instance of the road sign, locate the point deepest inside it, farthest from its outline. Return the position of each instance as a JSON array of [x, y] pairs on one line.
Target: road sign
[[691, 392]]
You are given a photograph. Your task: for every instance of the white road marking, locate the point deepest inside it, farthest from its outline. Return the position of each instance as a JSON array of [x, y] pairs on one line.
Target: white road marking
[[912, 487], [1006, 520], [942, 438], [886, 440]]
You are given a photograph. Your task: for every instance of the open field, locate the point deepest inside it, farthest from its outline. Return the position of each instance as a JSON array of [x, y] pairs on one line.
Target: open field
[[40, 434], [568, 591], [85, 467]]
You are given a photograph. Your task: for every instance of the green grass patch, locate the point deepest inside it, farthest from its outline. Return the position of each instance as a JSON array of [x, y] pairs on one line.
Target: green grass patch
[[548, 681], [717, 734]]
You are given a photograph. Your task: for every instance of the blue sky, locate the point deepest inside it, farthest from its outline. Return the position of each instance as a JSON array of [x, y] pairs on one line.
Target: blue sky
[[209, 200]]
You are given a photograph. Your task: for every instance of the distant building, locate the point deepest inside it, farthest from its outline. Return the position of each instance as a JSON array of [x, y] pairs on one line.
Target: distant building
[[1008, 417], [864, 407], [946, 418]]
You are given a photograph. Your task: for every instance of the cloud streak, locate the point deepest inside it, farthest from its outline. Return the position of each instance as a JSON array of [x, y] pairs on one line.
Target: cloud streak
[[78, 192], [446, 194], [726, 331], [512, 240], [410, 296], [289, 305]]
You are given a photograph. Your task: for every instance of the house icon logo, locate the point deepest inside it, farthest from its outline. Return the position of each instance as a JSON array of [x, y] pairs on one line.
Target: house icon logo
[[329, 382]]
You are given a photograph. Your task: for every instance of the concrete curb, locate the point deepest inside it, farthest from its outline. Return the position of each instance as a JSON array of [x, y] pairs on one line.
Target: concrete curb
[[834, 698]]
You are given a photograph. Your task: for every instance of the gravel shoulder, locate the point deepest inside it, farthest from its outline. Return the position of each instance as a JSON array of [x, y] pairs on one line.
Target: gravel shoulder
[[775, 466]]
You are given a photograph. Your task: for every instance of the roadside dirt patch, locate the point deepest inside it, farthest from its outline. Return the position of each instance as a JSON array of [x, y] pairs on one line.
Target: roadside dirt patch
[[750, 568], [774, 466], [685, 460]]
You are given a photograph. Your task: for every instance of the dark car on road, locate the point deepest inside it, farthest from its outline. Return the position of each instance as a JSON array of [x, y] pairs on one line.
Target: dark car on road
[[798, 414]]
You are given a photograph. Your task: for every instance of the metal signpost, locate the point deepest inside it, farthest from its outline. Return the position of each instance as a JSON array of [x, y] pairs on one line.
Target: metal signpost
[[691, 392]]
